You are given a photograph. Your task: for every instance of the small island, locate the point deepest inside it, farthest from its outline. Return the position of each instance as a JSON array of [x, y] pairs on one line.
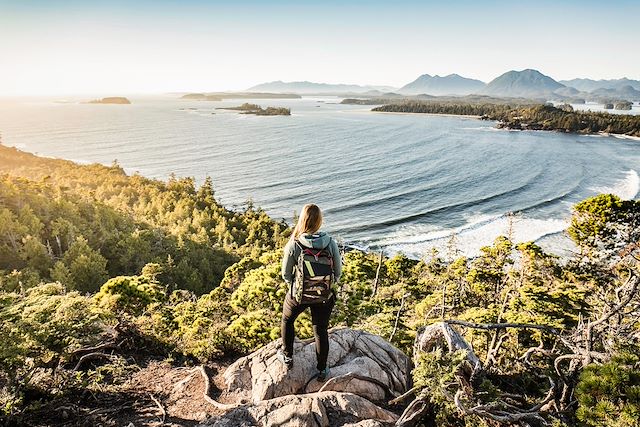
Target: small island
[[247, 108], [201, 97], [623, 105], [111, 100]]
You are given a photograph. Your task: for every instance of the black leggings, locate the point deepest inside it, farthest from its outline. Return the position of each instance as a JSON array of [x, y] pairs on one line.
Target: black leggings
[[320, 314]]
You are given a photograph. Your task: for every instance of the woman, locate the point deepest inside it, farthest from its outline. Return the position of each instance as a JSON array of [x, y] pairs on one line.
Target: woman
[[306, 238]]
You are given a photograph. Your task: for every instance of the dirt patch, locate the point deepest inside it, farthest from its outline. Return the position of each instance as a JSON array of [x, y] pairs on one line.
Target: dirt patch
[[159, 394], [179, 390]]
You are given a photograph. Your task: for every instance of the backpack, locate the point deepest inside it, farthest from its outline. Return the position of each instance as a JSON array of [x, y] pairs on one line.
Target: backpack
[[313, 275]]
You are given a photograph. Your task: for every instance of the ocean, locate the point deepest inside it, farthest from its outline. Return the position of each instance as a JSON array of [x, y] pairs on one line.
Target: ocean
[[398, 182]]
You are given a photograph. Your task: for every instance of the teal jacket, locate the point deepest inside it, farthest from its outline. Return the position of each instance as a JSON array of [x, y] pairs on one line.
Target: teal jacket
[[317, 241]]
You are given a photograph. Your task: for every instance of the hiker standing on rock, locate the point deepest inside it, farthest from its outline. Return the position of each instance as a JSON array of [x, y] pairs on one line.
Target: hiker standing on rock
[[311, 265]]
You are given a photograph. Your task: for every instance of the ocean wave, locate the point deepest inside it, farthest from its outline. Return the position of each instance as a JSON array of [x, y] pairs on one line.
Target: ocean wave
[[480, 231], [449, 208], [626, 188], [633, 138], [557, 199], [484, 128]]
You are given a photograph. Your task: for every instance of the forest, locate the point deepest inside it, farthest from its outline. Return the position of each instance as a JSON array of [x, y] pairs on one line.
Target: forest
[[91, 258], [537, 117]]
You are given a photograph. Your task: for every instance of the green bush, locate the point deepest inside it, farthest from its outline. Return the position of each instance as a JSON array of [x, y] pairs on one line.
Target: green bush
[[40, 327], [252, 330], [129, 294], [609, 394]]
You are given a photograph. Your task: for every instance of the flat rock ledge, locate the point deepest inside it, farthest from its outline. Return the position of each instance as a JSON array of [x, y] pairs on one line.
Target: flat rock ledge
[[364, 369]]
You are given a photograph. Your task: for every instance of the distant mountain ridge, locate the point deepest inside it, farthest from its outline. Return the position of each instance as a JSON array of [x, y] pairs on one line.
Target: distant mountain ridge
[[627, 92], [452, 84], [527, 83], [306, 87], [589, 85]]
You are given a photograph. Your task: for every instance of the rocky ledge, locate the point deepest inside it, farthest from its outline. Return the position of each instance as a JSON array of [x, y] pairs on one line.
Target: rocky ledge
[[366, 371]]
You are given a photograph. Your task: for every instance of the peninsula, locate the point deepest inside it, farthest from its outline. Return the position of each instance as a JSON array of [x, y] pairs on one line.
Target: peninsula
[[530, 117]]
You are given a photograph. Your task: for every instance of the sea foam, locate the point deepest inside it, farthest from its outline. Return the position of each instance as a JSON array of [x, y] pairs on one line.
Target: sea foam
[[468, 239], [626, 188]]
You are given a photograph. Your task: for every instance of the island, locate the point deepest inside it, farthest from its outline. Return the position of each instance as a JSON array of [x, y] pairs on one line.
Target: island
[[201, 97], [247, 108], [623, 105], [110, 100], [530, 117]]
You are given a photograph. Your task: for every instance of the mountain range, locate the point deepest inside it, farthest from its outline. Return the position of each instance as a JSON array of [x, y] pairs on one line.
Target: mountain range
[[306, 87], [528, 83], [453, 84], [588, 85]]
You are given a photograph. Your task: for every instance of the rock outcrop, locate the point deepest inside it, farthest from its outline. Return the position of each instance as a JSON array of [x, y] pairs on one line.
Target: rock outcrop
[[364, 369]]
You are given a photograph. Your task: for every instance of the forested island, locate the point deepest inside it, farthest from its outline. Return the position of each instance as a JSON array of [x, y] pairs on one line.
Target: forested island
[[114, 287], [247, 108], [623, 105], [201, 97], [394, 98], [562, 118], [110, 100]]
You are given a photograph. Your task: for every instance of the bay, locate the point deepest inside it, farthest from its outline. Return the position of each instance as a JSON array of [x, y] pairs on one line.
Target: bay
[[401, 182]]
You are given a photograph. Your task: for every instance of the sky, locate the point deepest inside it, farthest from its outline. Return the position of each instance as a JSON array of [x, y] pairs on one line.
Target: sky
[[134, 47]]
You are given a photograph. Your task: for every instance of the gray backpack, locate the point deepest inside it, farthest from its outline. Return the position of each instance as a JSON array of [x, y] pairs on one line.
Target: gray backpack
[[313, 275]]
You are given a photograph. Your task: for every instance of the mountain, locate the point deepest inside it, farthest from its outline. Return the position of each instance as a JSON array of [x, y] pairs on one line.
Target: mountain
[[627, 92], [453, 84], [526, 83], [589, 85], [306, 87]]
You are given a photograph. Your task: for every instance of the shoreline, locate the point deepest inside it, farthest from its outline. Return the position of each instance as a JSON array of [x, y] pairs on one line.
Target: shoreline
[[469, 116], [466, 116]]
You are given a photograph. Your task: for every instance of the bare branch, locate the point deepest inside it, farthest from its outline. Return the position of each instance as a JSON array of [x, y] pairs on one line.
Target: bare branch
[[492, 412], [162, 410], [93, 356], [492, 326], [375, 281], [395, 326], [404, 396]]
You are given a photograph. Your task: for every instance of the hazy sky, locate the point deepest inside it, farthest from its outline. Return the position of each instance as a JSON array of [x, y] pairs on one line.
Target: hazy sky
[[126, 47]]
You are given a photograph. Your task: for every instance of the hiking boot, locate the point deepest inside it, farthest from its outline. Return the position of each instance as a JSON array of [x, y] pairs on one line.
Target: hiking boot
[[286, 360], [323, 375]]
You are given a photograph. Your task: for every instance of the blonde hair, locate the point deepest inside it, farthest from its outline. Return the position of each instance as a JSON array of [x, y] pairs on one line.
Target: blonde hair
[[309, 221]]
